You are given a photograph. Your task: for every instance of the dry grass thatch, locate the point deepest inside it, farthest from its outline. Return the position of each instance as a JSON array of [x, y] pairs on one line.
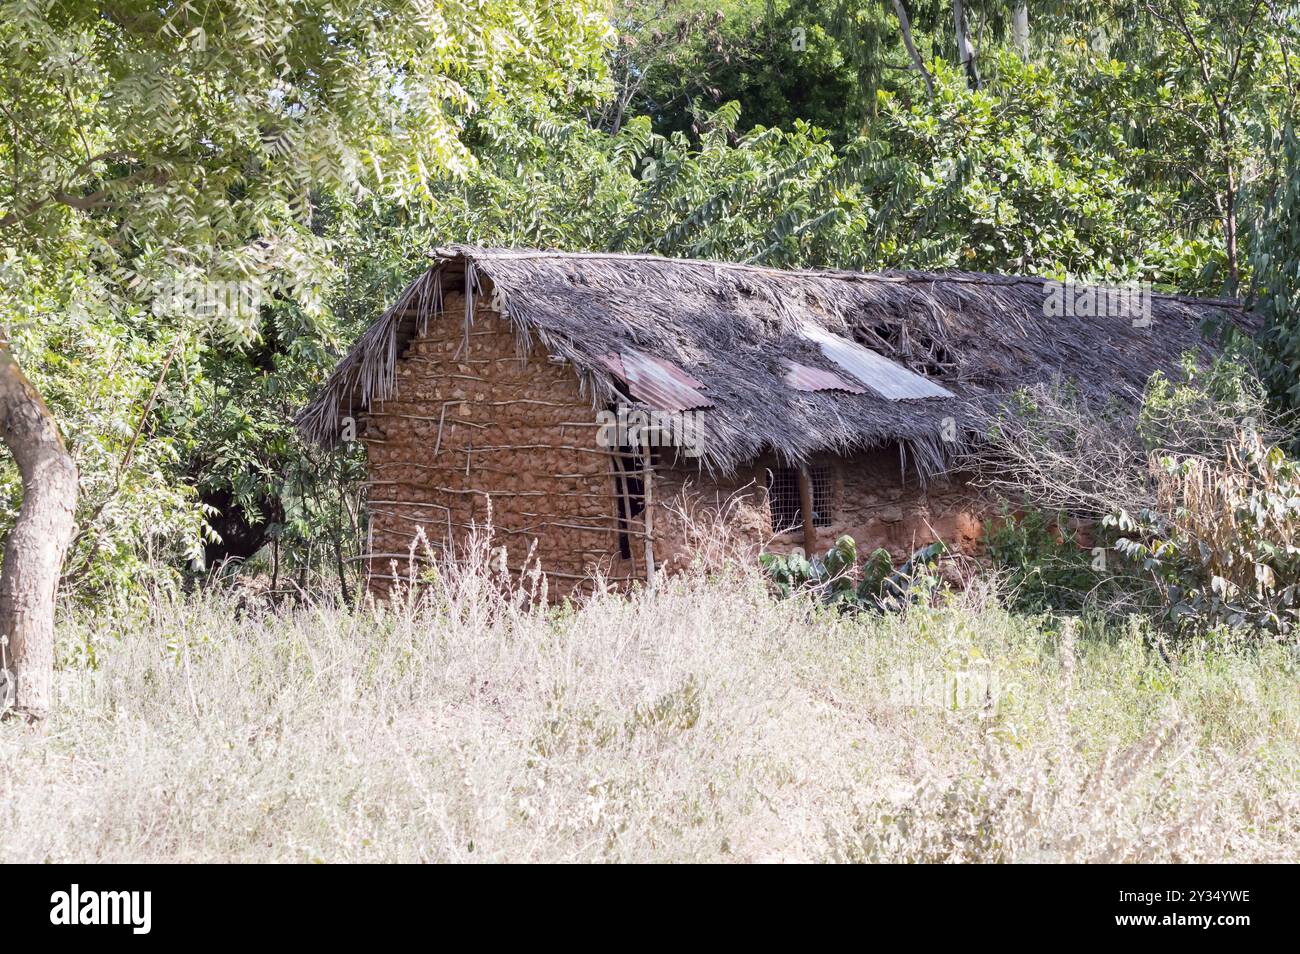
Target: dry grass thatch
[[732, 327]]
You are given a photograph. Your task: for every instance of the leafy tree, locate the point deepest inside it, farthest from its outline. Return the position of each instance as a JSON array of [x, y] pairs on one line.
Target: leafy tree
[[779, 59], [1276, 273], [181, 146], [1201, 88]]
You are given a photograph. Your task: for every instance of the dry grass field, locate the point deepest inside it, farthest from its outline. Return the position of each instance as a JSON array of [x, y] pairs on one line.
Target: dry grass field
[[703, 722]]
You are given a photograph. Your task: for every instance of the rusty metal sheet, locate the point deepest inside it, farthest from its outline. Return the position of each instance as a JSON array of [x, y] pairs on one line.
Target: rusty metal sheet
[[660, 384], [887, 378], [615, 364], [801, 377]]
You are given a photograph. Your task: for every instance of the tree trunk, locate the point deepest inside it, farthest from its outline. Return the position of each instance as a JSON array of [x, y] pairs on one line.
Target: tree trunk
[[1230, 227], [918, 64], [1020, 29], [34, 552], [965, 52]]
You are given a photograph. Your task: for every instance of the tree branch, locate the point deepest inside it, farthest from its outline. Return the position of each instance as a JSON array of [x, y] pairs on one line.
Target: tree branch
[[900, 10]]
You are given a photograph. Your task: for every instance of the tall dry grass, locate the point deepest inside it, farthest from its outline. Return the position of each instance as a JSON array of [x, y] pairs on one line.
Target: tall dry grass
[[702, 722]]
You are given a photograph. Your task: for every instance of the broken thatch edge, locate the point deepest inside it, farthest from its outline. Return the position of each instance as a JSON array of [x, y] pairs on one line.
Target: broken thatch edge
[[524, 279]]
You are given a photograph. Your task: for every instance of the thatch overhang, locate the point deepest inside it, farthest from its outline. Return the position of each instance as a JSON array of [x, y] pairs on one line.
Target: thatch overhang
[[742, 333]]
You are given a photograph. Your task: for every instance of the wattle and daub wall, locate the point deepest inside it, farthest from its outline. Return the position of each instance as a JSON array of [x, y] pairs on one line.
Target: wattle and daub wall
[[472, 421]]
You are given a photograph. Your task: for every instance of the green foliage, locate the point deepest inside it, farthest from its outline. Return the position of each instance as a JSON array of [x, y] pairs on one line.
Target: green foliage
[[1018, 178], [1042, 561], [1276, 269], [975, 180], [1023, 177], [1204, 408], [783, 60], [830, 575], [1204, 85], [1118, 143], [156, 157], [98, 370], [837, 580]]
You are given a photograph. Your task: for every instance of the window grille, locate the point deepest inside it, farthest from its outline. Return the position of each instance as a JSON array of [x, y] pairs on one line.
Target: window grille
[[783, 497]]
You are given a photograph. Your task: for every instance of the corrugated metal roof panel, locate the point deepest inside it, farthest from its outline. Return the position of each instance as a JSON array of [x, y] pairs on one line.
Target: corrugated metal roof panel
[[801, 377], [888, 378], [614, 363], [660, 384]]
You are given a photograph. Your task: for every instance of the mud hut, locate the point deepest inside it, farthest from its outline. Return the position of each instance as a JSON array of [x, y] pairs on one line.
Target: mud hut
[[598, 400]]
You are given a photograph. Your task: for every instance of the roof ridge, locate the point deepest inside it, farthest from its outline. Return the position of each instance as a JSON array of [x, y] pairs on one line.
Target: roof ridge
[[894, 276]]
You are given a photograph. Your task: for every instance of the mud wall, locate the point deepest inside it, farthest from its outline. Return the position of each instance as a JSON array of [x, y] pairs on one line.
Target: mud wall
[[470, 420], [869, 499]]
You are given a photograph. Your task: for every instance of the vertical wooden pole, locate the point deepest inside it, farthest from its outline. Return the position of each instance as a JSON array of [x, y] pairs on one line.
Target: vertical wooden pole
[[806, 511], [647, 481], [623, 504]]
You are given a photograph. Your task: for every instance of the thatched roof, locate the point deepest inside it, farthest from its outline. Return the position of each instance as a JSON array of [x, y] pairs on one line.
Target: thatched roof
[[750, 338]]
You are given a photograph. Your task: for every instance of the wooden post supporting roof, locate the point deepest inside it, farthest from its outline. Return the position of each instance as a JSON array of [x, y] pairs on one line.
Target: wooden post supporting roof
[[648, 499], [806, 511], [623, 506]]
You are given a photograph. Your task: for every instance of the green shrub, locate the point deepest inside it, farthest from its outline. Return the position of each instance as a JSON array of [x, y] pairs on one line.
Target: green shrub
[[1041, 562], [837, 581]]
